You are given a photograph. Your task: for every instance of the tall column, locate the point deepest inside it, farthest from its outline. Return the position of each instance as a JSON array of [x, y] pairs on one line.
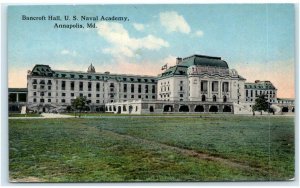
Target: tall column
[[17, 95], [208, 89], [220, 89]]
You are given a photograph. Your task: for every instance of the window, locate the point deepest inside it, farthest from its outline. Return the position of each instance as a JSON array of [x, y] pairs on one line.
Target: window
[[203, 85], [34, 93], [63, 100], [146, 96], [72, 85], [34, 86], [49, 94], [125, 87], [214, 98], [125, 96], [90, 86], [80, 86], [97, 95], [139, 88], [42, 100], [42, 86], [139, 96], [97, 101], [139, 80], [81, 95], [146, 88], [132, 96], [98, 87], [153, 88], [89, 77], [181, 95], [34, 99], [203, 98], [72, 94], [225, 87], [89, 95], [49, 87], [72, 75], [63, 94], [214, 86], [153, 97], [49, 100], [63, 85], [42, 94], [132, 88]]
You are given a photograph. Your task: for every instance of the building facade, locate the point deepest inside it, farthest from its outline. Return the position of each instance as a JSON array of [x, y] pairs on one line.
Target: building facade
[[53, 90], [196, 84], [201, 78], [253, 90]]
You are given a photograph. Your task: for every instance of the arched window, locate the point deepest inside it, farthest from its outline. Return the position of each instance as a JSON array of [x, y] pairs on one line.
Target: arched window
[[199, 108], [184, 108], [214, 98], [285, 109], [203, 98], [227, 109], [224, 99], [130, 109], [151, 109], [213, 109]]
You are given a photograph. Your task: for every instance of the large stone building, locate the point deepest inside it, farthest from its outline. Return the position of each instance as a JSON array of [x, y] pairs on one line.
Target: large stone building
[[195, 84], [253, 90], [53, 90]]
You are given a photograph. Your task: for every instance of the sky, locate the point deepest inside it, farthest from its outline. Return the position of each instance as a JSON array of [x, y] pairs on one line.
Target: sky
[[258, 40]]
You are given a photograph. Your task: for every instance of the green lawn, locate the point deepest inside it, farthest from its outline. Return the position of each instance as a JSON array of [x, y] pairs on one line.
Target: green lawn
[[232, 148]]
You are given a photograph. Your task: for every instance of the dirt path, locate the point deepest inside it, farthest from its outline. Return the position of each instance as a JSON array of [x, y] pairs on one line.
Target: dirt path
[[193, 153]]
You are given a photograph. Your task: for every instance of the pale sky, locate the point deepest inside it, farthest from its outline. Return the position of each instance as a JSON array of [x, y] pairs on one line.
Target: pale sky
[[256, 40]]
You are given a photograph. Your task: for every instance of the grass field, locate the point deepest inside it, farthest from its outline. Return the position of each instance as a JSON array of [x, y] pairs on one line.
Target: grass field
[[24, 115], [233, 148]]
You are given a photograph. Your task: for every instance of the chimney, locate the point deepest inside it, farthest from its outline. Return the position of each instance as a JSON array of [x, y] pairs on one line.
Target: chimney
[[178, 60], [256, 81]]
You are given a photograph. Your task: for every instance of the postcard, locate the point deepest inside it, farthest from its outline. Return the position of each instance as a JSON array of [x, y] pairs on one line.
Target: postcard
[[151, 93]]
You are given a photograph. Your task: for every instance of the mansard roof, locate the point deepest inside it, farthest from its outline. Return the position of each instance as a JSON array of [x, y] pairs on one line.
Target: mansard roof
[[202, 60], [46, 71], [261, 85], [175, 70]]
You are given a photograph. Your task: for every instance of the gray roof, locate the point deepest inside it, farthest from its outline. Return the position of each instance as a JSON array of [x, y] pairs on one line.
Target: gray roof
[[261, 85], [46, 71], [202, 60]]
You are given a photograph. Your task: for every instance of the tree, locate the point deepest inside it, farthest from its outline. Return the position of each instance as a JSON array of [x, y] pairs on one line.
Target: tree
[[79, 104], [260, 105]]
